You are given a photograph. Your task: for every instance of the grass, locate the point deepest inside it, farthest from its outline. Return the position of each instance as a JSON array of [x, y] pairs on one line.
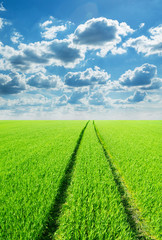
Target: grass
[[52, 222], [93, 207], [69, 180], [135, 149], [34, 156]]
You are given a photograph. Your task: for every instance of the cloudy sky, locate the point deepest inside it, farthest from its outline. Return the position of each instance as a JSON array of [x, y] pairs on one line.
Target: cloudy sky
[[80, 59]]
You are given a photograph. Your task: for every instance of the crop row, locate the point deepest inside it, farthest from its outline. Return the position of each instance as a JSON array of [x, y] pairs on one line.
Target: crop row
[[93, 207]]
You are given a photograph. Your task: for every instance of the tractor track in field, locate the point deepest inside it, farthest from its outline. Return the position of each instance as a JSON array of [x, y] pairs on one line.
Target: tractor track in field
[[136, 222], [52, 224]]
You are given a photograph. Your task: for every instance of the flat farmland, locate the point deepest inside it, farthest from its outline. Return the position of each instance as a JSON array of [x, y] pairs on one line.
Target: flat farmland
[[80, 180], [33, 159], [135, 148]]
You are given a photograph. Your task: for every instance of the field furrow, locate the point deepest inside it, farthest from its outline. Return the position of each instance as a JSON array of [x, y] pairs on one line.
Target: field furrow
[[51, 224], [134, 218], [93, 207]]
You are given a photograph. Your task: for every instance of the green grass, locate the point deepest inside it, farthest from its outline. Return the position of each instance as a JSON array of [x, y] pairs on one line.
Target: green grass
[[33, 159], [136, 150], [93, 208], [57, 181]]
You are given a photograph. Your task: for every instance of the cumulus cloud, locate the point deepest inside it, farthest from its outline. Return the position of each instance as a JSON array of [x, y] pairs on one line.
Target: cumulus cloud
[[64, 53], [39, 80], [101, 33], [76, 96], [51, 32], [52, 27], [34, 57], [137, 97], [95, 32], [46, 23], [7, 51], [62, 101], [12, 84], [2, 8], [4, 78], [139, 76], [115, 51], [155, 84], [145, 45], [97, 98], [16, 37], [27, 60], [87, 77]]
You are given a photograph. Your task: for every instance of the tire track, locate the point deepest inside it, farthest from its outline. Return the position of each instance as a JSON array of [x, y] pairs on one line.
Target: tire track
[[136, 222], [51, 224]]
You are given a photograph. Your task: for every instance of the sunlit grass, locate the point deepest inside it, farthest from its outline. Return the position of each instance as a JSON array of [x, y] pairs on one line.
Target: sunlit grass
[[135, 148], [33, 158]]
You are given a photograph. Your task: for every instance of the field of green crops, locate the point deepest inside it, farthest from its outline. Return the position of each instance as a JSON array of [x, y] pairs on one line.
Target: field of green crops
[[136, 150], [80, 180]]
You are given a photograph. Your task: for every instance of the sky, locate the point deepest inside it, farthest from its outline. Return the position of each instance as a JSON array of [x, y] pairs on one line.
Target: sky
[[80, 59]]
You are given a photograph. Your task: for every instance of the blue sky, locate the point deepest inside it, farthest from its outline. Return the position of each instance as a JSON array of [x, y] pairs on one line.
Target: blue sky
[[80, 59]]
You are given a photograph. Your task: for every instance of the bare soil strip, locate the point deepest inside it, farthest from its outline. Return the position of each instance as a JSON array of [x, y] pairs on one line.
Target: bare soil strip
[[136, 222], [52, 221]]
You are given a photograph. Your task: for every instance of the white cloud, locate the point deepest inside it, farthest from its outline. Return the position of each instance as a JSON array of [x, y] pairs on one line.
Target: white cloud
[[51, 32], [155, 98], [101, 34], [76, 96], [145, 45], [141, 25], [12, 84], [34, 57], [156, 83], [139, 76], [16, 36], [137, 97], [40, 80], [2, 8], [97, 99], [56, 26], [88, 77], [7, 51], [24, 103], [3, 22], [46, 23], [116, 51], [62, 101], [4, 78]]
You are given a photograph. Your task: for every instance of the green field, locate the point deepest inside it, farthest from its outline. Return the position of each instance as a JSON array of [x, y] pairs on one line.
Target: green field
[[80, 180]]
